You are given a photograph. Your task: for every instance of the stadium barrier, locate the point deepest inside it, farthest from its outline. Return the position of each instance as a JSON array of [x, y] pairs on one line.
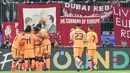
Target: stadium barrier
[[62, 59]]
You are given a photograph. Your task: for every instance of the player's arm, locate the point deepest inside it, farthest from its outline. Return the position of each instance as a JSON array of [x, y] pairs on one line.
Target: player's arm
[[85, 37], [46, 35], [96, 40], [22, 43], [39, 42], [71, 36], [43, 35]]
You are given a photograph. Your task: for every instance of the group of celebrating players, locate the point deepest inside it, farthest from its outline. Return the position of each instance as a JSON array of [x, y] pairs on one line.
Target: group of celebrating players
[[31, 48]]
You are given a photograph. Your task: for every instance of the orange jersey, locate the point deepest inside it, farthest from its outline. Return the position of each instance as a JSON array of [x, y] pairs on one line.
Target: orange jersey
[[17, 40], [92, 39], [30, 41], [22, 47], [46, 41], [78, 37], [39, 39]]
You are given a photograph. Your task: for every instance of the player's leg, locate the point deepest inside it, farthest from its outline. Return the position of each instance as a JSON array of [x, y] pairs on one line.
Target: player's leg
[[93, 59], [77, 57], [20, 60], [32, 63], [47, 57], [32, 59], [80, 55], [90, 63], [23, 64], [19, 65], [23, 60], [26, 57], [36, 54], [41, 58], [37, 64], [40, 63], [90, 59], [14, 55], [26, 64]]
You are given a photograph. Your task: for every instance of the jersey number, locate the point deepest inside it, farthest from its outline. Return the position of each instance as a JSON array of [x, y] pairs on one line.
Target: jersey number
[[78, 36], [28, 41], [94, 38]]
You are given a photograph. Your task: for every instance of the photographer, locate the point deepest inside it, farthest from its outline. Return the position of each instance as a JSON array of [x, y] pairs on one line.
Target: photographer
[[107, 43], [7, 43]]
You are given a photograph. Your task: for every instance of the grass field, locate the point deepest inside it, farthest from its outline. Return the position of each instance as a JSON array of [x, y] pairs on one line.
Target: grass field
[[112, 71]]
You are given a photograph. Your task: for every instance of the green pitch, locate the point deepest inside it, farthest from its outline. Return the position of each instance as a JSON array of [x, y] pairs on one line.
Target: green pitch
[[104, 71]]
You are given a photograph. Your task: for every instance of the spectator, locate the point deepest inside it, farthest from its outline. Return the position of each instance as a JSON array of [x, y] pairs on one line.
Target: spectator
[[7, 44], [107, 43]]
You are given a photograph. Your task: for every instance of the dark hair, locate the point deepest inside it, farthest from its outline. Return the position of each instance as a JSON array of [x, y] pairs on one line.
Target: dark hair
[[51, 18], [90, 27], [28, 29], [78, 25], [39, 26], [36, 29]]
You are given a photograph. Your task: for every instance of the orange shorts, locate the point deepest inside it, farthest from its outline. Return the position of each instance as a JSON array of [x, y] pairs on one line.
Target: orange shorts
[[47, 49], [39, 51], [29, 53], [15, 53], [91, 52], [78, 52]]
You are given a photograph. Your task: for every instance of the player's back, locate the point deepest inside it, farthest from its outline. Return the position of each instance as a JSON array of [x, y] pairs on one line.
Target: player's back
[[17, 40], [92, 39], [30, 41], [79, 37]]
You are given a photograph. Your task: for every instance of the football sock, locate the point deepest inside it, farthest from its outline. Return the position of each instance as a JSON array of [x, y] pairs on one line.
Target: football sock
[[26, 64], [41, 65], [19, 66], [48, 63], [14, 64], [90, 65], [94, 61], [33, 64], [37, 65], [23, 66]]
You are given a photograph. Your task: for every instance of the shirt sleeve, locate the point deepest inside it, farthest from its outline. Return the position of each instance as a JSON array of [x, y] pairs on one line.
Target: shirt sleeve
[[96, 37], [88, 36], [71, 35]]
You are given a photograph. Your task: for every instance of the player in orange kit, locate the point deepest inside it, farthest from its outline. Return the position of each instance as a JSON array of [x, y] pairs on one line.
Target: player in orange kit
[[29, 48], [21, 64], [78, 36], [47, 46], [39, 50], [92, 39], [16, 48]]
